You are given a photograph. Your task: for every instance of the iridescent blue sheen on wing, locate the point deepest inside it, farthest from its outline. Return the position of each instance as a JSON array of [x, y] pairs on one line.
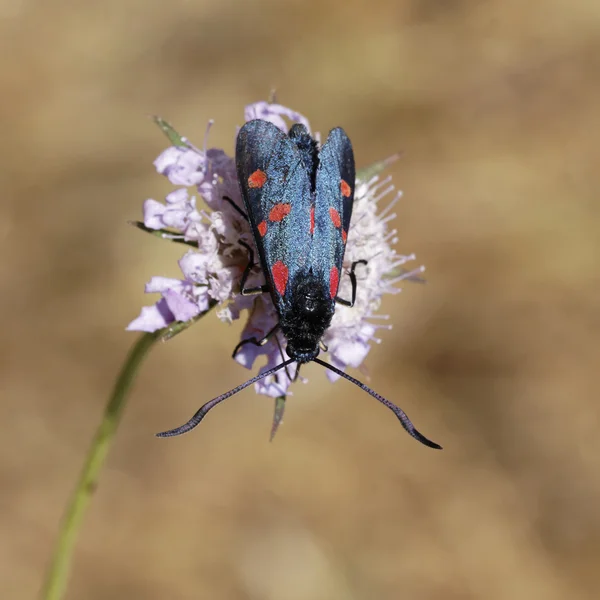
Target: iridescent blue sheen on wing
[[332, 208], [279, 210]]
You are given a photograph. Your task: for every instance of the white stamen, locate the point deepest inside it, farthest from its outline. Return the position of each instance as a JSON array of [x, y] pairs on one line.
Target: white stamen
[[171, 236], [191, 146], [407, 275], [206, 215], [372, 181], [210, 123], [402, 260], [390, 234], [389, 289], [385, 192], [389, 218], [390, 205], [196, 149], [379, 185]]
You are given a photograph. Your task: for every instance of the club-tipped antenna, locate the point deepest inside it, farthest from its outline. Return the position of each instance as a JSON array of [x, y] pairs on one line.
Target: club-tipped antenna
[[402, 416], [203, 410]]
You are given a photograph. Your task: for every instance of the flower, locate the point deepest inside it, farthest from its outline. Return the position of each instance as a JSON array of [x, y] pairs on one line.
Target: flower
[[213, 266]]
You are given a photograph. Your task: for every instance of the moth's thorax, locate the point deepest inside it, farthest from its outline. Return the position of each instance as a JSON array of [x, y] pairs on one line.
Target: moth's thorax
[[306, 316]]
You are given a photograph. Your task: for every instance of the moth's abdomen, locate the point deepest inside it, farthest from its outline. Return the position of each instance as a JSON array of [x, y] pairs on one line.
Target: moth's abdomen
[[306, 316]]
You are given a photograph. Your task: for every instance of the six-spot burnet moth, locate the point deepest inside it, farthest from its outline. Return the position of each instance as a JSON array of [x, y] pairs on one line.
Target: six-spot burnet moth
[[299, 203]]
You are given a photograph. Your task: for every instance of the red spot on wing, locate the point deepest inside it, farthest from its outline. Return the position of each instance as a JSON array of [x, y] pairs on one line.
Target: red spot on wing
[[280, 276], [334, 281], [335, 217], [312, 220], [344, 236], [279, 211], [262, 228], [257, 179], [345, 189]]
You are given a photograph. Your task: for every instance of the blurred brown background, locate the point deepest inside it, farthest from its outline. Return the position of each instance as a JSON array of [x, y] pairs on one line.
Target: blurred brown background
[[495, 105]]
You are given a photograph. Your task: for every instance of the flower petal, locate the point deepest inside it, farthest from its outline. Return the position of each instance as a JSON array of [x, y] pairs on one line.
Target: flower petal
[[159, 285], [352, 353], [247, 354], [153, 213], [274, 113], [277, 384], [182, 166], [152, 318], [274, 386], [182, 308], [195, 266], [179, 196]]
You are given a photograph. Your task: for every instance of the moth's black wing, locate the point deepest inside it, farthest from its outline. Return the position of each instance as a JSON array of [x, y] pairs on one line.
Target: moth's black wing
[[275, 187], [335, 183]]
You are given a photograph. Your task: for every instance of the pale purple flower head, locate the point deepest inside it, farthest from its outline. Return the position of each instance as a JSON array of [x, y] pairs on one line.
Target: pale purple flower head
[[212, 267]]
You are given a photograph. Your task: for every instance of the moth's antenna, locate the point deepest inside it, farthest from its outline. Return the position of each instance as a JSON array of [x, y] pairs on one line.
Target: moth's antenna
[[201, 413], [402, 416]]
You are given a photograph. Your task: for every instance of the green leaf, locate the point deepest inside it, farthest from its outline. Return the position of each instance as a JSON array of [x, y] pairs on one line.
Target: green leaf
[[277, 415], [167, 129], [367, 173]]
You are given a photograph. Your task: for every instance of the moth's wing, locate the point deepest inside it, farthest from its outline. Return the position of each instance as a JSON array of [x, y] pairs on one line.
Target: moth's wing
[[335, 183], [275, 186]]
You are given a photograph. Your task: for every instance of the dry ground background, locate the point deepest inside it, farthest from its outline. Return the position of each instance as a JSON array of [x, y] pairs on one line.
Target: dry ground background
[[495, 104]]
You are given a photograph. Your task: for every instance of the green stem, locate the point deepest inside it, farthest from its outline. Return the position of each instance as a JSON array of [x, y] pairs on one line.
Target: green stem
[[58, 572]]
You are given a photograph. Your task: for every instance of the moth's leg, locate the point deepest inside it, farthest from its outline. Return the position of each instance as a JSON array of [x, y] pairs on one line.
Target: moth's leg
[[255, 290], [236, 207], [262, 342], [255, 341], [250, 291], [353, 281]]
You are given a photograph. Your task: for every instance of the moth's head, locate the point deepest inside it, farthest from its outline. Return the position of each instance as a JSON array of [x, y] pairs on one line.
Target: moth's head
[[302, 350]]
